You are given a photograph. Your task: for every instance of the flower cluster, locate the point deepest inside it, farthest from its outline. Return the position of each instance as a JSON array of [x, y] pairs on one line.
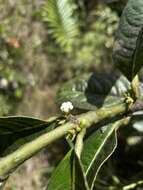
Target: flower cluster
[[66, 107]]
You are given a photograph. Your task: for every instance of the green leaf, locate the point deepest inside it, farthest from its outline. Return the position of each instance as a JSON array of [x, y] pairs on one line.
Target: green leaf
[[68, 175], [128, 46], [138, 54], [62, 24], [10, 125], [97, 149], [15, 131], [92, 91]]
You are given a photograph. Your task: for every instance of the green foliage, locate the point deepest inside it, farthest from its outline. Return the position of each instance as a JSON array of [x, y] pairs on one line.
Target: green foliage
[[11, 125], [98, 38], [16, 131], [74, 178], [59, 14], [128, 44], [97, 149], [12, 82], [90, 47], [104, 94], [138, 55], [4, 105], [91, 91]]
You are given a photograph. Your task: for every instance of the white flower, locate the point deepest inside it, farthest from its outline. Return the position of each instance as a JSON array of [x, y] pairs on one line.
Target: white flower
[[66, 107]]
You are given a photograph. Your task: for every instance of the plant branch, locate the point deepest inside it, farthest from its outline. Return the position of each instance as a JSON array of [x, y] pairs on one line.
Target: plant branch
[[13, 160], [79, 142], [137, 106]]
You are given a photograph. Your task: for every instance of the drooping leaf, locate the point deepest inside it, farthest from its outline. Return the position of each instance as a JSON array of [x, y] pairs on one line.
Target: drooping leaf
[[14, 124], [68, 174], [61, 22], [15, 131], [97, 149], [128, 46], [92, 91]]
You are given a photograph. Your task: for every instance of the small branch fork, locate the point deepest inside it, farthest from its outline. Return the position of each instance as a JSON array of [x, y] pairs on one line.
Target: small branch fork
[[13, 160]]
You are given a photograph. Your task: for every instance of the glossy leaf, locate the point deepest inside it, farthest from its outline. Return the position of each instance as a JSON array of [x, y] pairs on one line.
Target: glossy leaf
[[92, 91], [97, 149], [10, 125], [68, 174], [15, 131], [128, 46]]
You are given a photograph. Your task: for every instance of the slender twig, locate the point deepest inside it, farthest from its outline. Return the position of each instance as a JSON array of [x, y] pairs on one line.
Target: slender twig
[[11, 161], [79, 142]]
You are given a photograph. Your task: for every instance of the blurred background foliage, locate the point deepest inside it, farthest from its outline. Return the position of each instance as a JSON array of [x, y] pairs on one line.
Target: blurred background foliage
[[44, 43]]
